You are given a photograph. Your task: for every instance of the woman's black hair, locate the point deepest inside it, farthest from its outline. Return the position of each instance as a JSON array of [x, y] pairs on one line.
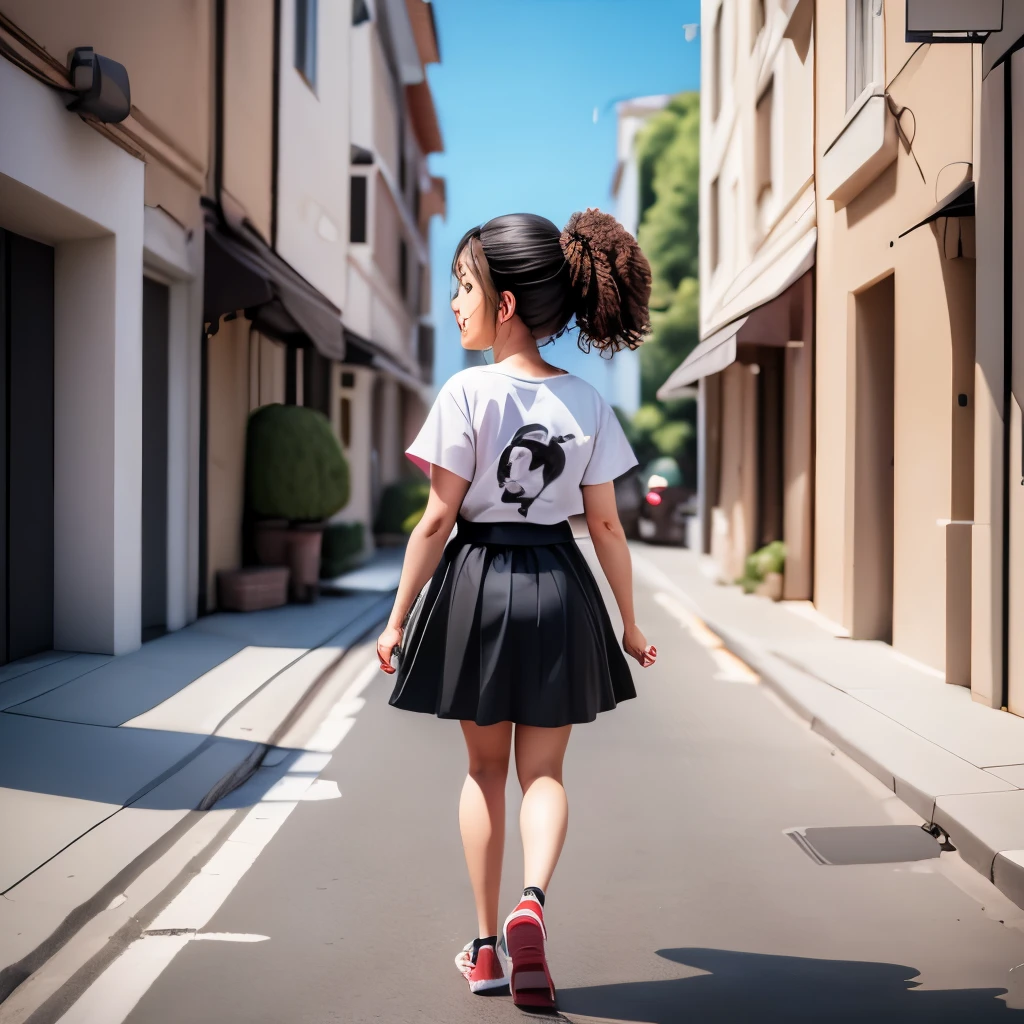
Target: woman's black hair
[[546, 454], [593, 270]]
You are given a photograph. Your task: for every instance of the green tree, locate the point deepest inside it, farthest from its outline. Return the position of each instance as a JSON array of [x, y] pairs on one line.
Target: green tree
[[668, 157], [668, 149]]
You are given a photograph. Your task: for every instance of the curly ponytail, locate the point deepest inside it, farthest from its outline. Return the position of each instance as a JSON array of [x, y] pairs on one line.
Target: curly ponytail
[[612, 281], [593, 271]]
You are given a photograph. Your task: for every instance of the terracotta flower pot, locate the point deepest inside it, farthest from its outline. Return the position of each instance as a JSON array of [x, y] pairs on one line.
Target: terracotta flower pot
[[304, 545], [270, 538], [771, 587]]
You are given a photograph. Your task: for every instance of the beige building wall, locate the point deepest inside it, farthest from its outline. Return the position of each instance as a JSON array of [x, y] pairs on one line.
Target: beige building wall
[[244, 372], [248, 107], [869, 190]]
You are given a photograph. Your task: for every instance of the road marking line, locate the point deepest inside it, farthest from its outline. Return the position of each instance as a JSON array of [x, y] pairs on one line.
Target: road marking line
[[731, 669], [118, 990]]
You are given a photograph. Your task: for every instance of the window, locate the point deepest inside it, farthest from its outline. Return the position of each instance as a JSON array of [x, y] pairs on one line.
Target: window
[[763, 155], [713, 220], [860, 47], [345, 417], [758, 18], [306, 39], [360, 12], [403, 268], [357, 209], [716, 70]]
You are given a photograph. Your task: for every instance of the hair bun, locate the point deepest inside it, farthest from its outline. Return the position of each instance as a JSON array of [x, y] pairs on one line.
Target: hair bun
[[611, 281]]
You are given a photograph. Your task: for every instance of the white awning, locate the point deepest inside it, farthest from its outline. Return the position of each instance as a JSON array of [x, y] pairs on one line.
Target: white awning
[[712, 355], [767, 278]]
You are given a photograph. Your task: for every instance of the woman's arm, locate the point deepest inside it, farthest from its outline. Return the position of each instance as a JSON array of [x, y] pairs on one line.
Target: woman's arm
[[613, 553], [423, 553]]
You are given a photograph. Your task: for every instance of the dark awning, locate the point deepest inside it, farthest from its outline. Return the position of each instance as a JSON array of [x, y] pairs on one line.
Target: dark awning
[[959, 203], [361, 351], [242, 272]]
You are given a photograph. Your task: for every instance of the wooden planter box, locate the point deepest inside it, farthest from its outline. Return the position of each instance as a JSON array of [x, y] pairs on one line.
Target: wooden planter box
[[252, 590]]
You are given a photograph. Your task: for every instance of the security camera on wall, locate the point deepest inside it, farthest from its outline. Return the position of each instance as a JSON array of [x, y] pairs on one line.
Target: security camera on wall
[[101, 84]]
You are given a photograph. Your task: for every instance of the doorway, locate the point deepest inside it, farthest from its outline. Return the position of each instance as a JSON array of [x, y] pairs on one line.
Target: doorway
[[156, 300], [874, 462], [26, 447]]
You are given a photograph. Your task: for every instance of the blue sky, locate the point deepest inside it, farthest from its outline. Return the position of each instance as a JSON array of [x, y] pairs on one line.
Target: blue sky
[[516, 90]]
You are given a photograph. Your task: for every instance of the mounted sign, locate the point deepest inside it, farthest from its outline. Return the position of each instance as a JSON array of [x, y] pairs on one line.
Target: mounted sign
[[953, 21]]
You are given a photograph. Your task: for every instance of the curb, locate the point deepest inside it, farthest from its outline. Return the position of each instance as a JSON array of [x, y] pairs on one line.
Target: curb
[[1003, 867], [13, 975]]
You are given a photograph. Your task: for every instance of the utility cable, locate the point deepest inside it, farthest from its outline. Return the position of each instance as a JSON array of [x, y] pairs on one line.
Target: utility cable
[[19, 61]]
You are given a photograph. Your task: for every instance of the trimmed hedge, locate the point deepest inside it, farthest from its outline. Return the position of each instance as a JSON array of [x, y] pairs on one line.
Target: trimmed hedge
[[342, 546], [295, 468], [402, 506]]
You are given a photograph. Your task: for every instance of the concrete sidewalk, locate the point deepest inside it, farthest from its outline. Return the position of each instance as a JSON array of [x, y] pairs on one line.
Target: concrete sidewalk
[[956, 763], [105, 762]]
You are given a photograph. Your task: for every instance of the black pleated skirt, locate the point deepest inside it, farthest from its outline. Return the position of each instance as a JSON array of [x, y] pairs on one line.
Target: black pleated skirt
[[512, 628]]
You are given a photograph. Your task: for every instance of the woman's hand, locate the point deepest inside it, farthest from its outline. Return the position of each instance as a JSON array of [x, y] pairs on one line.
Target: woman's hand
[[386, 643], [634, 643]]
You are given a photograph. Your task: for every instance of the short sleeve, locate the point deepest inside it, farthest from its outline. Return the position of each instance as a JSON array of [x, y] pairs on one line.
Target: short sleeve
[[612, 455], [446, 438]]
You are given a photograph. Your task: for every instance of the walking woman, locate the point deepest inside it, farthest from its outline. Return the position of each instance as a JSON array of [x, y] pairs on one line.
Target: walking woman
[[511, 635]]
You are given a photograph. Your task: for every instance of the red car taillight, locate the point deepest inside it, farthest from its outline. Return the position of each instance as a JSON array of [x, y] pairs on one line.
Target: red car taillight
[[653, 498]]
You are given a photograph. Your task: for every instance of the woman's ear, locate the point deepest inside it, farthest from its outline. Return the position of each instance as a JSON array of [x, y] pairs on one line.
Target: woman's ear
[[506, 307]]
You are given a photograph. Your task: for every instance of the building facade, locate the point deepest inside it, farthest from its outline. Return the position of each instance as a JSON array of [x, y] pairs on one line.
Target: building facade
[[164, 274], [102, 242], [753, 367], [337, 204], [906, 421], [623, 385], [896, 337]]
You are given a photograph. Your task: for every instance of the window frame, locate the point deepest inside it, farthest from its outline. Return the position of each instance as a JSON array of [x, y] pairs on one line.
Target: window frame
[[714, 223], [307, 39], [763, 152], [364, 221], [717, 71], [758, 21], [864, 29]]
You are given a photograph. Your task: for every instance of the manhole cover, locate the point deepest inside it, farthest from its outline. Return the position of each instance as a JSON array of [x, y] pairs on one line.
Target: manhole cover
[[866, 844]]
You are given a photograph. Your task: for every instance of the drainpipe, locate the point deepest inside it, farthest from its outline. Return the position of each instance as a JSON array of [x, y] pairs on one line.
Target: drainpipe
[[1008, 236], [275, 121]]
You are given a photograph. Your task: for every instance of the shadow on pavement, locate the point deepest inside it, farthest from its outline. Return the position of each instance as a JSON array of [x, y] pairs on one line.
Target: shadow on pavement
[[743, 987]]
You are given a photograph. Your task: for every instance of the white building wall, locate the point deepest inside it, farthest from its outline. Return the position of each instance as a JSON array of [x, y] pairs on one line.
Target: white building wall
[[622, 383], [314, 156], [64, 184]]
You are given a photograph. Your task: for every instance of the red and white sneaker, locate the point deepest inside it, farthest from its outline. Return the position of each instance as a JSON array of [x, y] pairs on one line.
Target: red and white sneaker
[[525, 938], [481, 969]]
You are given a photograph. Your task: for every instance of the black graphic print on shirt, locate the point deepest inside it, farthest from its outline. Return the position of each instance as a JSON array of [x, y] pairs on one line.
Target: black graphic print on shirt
[[531, 461]]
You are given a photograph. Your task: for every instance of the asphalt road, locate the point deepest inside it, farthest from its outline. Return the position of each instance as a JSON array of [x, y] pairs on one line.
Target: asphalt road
[[680, 895]]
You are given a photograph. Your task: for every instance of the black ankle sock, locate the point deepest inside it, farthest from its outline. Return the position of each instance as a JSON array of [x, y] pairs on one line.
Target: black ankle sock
[[490, 940], [536, 892]]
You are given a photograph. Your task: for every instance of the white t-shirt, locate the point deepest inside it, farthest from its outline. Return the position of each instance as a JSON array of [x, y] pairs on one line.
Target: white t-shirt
[[526, 444]]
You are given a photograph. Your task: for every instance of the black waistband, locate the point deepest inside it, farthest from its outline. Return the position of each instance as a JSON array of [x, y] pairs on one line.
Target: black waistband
[[516, 534]]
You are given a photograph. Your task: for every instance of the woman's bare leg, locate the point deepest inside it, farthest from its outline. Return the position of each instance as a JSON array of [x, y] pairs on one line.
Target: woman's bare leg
[[544, 816], [482, 815]]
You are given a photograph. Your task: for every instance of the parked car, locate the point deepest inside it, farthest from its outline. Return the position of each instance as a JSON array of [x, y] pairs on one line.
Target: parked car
[[665, 504], [628, 498]]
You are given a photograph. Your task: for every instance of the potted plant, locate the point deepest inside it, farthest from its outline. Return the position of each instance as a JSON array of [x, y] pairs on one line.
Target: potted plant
[[763, 571], [296, 478]]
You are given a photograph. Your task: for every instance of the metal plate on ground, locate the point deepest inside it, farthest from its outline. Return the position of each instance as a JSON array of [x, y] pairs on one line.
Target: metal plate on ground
[[866, 844]]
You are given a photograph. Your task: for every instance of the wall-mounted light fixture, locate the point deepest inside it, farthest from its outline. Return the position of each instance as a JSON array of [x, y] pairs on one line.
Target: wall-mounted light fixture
[[101, 86]]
